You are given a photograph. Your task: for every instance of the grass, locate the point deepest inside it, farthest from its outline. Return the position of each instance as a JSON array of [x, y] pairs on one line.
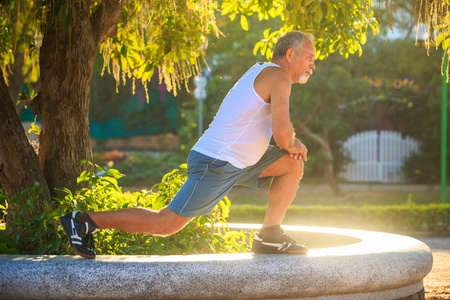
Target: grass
[[354, 195], [315, 192]]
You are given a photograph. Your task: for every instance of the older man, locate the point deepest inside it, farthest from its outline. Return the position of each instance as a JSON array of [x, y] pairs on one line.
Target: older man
[[233, 151]]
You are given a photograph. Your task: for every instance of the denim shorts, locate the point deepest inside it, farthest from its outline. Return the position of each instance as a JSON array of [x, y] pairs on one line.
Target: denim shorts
[[210, 179]]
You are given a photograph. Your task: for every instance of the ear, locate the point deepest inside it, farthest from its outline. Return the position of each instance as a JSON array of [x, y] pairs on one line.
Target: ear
[[290, 54]]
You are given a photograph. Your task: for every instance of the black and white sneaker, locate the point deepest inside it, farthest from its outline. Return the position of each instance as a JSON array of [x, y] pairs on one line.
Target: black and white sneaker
[[279, 243], [80, 235]]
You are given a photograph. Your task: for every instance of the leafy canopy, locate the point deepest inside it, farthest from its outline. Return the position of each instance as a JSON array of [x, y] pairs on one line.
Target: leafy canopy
[[335, 24], [168, 35], [172, 35]]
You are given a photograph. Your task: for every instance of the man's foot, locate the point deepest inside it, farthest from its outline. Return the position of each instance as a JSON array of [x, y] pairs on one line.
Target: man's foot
[[278, 243], [80, 235]]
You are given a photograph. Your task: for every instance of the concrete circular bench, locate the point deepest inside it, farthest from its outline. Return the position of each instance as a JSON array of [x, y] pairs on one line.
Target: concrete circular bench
[[341, 264]]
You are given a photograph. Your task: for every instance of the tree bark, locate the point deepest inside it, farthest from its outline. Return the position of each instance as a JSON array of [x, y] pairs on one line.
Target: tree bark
[[329, 172], [66, 65], [19, 164], [15, 81]]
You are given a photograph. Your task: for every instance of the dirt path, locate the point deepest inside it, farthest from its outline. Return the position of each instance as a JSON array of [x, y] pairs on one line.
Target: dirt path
[[437, 283]]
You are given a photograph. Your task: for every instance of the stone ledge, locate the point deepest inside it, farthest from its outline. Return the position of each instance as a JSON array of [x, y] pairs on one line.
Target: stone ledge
[[379, 266]]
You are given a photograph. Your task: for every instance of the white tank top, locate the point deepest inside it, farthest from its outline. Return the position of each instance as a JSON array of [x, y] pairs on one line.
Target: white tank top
[[242, 128]]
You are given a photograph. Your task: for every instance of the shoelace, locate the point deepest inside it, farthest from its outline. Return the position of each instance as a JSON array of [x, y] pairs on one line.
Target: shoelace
[[286, 238], [88, 242]]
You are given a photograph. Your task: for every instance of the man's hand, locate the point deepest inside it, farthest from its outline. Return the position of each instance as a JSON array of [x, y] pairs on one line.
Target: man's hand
[[299, 151]]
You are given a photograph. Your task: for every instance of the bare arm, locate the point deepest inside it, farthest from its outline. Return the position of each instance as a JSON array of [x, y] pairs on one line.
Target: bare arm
[[283, 131]]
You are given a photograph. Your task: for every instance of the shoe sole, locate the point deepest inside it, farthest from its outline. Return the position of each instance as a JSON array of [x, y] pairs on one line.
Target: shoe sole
[[288, 252], [82, 254], [67, 231]]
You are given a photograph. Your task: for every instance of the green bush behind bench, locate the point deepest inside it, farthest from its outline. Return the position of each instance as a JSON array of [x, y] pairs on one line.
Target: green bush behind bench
[[392, 218]]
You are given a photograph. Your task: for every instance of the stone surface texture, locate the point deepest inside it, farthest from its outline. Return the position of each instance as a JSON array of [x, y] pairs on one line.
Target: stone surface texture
[[380, 266]]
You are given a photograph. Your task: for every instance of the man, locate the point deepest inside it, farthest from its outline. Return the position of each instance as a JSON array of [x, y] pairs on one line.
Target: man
[[234, 150]]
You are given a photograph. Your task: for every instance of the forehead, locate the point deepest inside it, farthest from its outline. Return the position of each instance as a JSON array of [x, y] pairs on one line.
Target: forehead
[[308, 48]]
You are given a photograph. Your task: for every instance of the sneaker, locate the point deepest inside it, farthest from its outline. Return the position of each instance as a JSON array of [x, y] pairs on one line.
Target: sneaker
[[80, 235], [279, 243]]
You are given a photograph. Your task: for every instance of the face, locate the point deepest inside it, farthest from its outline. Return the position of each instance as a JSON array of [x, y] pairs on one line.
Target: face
[[302, 65]]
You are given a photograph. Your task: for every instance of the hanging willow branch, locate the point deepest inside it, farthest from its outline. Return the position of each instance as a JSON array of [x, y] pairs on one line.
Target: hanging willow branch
[[432, 16]]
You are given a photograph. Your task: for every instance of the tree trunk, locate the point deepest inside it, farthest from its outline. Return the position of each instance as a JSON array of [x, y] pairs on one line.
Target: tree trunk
[[329, 173], [15, 81], [67, 59], [19, 164], [66, 64]]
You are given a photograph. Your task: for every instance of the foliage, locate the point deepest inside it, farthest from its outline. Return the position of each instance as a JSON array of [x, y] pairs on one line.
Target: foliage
[[143, 169], [315, 108], [404, 88], [337, 25], [37, 224], [435, 18], [341, 25], [44, 235], [393, 218], [169, 35], [7, 243], [174, 34], [3, 203], [19, 38], [389, 88]]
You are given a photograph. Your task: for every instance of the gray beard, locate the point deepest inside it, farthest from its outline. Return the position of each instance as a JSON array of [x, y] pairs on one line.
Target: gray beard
[[303, 78]]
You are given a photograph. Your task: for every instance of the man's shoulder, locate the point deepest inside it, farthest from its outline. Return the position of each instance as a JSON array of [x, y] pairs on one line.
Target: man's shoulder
[[275, 73], [271, 79]]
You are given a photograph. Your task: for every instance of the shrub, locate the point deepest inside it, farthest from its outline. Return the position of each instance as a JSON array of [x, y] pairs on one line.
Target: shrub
[[392, 218], [2, 202], [142, 169], [44, 235]]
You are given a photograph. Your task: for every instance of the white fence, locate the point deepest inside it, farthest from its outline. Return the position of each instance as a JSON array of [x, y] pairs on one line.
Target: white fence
[[377, 157]]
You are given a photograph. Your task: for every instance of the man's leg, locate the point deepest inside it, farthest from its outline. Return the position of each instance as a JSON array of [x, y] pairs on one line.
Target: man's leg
[[79, 227], [287, 173], [141, 220]]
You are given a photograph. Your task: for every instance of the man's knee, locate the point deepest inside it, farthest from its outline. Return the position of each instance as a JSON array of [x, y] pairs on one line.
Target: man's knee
[[170, 222], [293, 166], [296, 168]]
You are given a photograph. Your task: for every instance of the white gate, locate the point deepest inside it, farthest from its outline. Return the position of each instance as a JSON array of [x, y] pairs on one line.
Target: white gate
[[377, 157]]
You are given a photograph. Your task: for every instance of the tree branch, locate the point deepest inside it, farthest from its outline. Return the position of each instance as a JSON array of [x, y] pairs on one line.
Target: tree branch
[[105, 19], [36, 105], [313, 113]]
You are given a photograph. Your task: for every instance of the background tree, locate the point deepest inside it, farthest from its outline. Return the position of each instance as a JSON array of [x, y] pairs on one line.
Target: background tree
[[316, 116], [134, 36]]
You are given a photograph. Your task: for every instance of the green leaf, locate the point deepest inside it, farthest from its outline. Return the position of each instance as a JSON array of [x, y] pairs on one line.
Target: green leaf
[[83, 176], [65, 190], [114, 173], [41, 250], [100, 168], [80, 206], [57, 212], [446, 43], [123, 51], [56, 242], [244, 22], [227, 7]]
